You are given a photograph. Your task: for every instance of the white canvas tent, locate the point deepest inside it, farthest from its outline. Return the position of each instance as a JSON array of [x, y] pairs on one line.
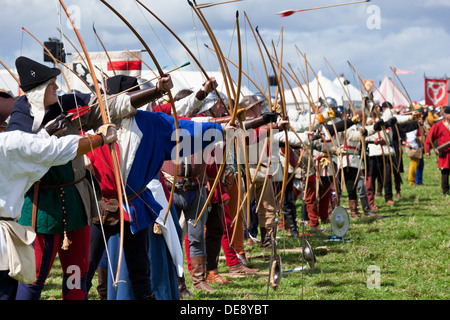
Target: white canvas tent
[[387, 91], [322, 87], [194, 80], [8, 83], [350, 90]]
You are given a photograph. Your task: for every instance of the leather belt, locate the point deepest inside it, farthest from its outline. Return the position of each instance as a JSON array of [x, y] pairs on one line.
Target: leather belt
[[38, 187]]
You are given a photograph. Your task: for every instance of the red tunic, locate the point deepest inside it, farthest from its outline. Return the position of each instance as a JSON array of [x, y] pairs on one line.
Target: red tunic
[[440, 132]]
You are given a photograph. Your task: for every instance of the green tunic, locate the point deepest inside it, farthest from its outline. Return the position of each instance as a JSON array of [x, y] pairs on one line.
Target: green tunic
[[50, 214]]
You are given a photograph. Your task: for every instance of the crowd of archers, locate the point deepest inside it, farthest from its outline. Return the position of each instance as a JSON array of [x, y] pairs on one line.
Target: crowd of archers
[[93, 191]]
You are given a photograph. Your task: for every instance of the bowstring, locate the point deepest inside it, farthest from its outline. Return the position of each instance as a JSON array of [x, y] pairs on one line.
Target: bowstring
[[162, 43]]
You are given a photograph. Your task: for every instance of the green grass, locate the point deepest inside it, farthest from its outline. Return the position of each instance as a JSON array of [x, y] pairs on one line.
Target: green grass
[[409, 243]]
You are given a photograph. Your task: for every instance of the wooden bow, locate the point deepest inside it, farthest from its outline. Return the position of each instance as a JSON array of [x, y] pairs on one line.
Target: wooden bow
[[233, 110], [184, 46], [169, 94], [370, 96], [362, 139], [114, 157], [406, 95]]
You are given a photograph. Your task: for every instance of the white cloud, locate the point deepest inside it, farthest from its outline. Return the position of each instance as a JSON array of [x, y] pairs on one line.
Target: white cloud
[[413, 36]]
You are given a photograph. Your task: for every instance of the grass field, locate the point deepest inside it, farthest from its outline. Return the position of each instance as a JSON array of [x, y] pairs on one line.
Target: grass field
[[408, 243]]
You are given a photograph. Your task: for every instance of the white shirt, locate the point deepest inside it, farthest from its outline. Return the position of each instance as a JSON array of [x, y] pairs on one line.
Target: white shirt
[[24, 159]]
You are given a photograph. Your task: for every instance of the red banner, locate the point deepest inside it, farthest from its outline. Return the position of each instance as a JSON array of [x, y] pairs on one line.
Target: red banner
[[125, 65], [436, 92]]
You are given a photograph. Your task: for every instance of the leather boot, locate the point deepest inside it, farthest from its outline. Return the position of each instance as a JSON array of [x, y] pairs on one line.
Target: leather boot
[[184, 292], [266, 241], [353, 206], [292, 223], [305, 216], [197, 273], [240, 268], [366, 207], [214, 276], [102, 287]]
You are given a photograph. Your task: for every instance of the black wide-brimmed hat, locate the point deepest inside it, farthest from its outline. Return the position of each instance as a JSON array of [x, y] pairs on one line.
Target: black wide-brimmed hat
[[120, 83], [33, 74], [385, 105]]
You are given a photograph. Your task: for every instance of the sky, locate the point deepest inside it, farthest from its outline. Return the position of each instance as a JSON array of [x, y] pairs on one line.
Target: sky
[[372, 36]]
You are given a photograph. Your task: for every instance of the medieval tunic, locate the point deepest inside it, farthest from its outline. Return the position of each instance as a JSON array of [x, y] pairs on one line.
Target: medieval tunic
[[78, 197], [441, 132], [25, 159], [148, 141]]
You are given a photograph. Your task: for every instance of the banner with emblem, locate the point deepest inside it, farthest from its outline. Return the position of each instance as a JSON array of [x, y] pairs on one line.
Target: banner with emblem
[[115, 63], [436, 92]]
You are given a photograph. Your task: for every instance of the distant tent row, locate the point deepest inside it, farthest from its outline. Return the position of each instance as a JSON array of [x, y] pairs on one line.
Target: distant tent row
[[342, 92], [322, 87]]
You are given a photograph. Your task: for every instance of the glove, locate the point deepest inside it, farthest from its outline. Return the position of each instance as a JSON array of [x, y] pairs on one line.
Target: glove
[[320, 118], [380, 142], [331, 114], [364, 132], [58, 125], [324, 162], [278, 109], [317, 136], [378, 124], [356, 119], [108, 133], [270, 117], [241, 115], [391, 122]]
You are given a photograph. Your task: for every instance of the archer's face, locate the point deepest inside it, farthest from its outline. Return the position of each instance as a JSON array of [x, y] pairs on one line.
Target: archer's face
[[51, 97], [218, 110]]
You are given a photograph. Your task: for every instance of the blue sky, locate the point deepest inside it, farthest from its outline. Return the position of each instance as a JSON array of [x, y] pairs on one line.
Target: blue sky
[[372, 36]]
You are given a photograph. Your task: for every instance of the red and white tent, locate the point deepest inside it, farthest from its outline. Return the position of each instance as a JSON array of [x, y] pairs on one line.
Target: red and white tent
[[388, 91]]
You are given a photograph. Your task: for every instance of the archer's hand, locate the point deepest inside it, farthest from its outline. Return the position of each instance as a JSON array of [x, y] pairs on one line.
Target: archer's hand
[[210, 85], [417, 115], [391, 122], [378, 125], [57, 125], [314, 135], [269, 117], [241, 115], [164, 84], [108, 133], [324, 162], [380, 142], [320, 118], [364, 132], [230, 126], [331, 114], [356, 119], [283, 124]]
